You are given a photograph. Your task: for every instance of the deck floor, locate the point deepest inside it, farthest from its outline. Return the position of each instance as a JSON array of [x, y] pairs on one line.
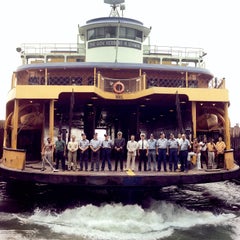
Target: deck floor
[[36, 167]]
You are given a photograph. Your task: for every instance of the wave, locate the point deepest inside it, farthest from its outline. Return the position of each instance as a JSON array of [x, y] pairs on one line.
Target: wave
[[227, 191], [124, 222]]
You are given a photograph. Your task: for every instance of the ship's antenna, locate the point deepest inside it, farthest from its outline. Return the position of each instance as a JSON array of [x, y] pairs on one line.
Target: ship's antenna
[[114, 5]]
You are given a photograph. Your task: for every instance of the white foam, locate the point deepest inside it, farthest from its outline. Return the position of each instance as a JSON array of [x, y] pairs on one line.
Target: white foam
[[119, 222], [227, 191]]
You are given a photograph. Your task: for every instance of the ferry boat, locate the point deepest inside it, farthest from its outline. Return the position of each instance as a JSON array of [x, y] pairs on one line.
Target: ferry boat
[[111, 81]]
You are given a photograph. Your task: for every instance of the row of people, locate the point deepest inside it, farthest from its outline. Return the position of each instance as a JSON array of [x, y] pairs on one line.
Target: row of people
[[157, 151]]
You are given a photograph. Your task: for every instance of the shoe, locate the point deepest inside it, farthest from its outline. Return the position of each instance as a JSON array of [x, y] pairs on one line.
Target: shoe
[[55, 170]]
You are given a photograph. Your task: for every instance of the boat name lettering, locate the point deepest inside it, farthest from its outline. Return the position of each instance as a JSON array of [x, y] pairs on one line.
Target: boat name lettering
[[109, 43], [119, 96]]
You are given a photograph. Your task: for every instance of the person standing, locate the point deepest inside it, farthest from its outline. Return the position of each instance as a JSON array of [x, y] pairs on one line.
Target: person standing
[[119, 144], [95, 146], [196, 150], [211, 148], [220, 148], [142, 152], [72, 153], [204, 154], [106, 152], [184, 145], [47, 154], [60, 150], [132, 147], [162, 144], [152, 151], [173, 151], [84, 146]]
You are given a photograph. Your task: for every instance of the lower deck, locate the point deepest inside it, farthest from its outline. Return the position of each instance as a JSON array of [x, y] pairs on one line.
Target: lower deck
[[152, 179]]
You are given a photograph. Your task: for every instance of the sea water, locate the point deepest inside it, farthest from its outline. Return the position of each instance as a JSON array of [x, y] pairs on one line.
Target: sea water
[[202, 211]]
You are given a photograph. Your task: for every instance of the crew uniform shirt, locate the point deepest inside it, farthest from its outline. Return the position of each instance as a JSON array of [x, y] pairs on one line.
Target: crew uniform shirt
[[173, 144], [143, 144], [95, 143], [162, 143], [84, 143], [107, 144], [184, 144], [152, 143]]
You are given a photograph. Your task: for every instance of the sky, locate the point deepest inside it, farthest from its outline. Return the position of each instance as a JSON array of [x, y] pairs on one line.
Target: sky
[[211, 25]]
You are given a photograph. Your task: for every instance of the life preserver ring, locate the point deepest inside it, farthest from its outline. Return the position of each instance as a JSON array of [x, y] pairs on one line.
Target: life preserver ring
[[118, 87]]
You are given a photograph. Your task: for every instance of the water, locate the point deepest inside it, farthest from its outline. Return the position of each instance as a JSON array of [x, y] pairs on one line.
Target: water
[[203, 211]]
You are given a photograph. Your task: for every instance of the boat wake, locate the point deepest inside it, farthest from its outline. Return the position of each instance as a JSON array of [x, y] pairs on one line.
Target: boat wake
[[116, 221]]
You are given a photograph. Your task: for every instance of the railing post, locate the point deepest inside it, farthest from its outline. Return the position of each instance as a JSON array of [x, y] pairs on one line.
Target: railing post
[[194, 119], [94, 75], [227, 127], [46, 76], [99, 79], [51, 119], [186, 79], [15, 124], [144, 81]]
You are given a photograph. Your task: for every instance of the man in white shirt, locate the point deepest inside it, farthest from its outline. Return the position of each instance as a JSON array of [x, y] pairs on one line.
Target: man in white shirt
[[132, 147], [142, 152], [72, 153]]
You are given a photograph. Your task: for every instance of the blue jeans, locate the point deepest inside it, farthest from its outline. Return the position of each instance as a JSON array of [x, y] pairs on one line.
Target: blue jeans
[[173, 159], [162, 157]]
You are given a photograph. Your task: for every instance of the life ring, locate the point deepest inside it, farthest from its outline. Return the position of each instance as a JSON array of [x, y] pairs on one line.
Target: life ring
[[118, 87]]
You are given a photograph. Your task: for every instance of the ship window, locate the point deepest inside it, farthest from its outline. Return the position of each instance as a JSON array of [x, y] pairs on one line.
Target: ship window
[[111, 32], [91, 33], [122, 32], [130, 33], [100, 33]]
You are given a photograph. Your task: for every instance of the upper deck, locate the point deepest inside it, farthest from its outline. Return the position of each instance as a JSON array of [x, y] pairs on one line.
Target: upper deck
[[164, 70]]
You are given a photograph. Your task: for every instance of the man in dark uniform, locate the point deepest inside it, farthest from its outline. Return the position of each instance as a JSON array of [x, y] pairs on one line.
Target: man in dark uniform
[[119, 144]]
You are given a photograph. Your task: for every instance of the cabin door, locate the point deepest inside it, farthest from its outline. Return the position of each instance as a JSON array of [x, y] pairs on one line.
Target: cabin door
[[30, 140]]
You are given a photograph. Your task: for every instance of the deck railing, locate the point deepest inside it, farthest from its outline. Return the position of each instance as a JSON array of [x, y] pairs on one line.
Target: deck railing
[[44, 51]]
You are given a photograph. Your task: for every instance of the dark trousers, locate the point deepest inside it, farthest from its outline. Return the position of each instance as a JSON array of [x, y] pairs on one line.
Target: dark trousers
[[60, 157], [118, 158], [95, 160], [142, 158], [84, 160], [173, 159], [183, 160], [204, 158], [106, 152], [220, 160], [162, 157]]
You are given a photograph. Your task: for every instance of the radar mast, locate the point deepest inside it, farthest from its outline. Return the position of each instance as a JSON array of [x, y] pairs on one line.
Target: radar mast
[[114, 5]]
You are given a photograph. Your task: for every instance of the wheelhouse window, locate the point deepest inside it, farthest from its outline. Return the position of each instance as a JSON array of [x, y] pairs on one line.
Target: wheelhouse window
[[112, 32]]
